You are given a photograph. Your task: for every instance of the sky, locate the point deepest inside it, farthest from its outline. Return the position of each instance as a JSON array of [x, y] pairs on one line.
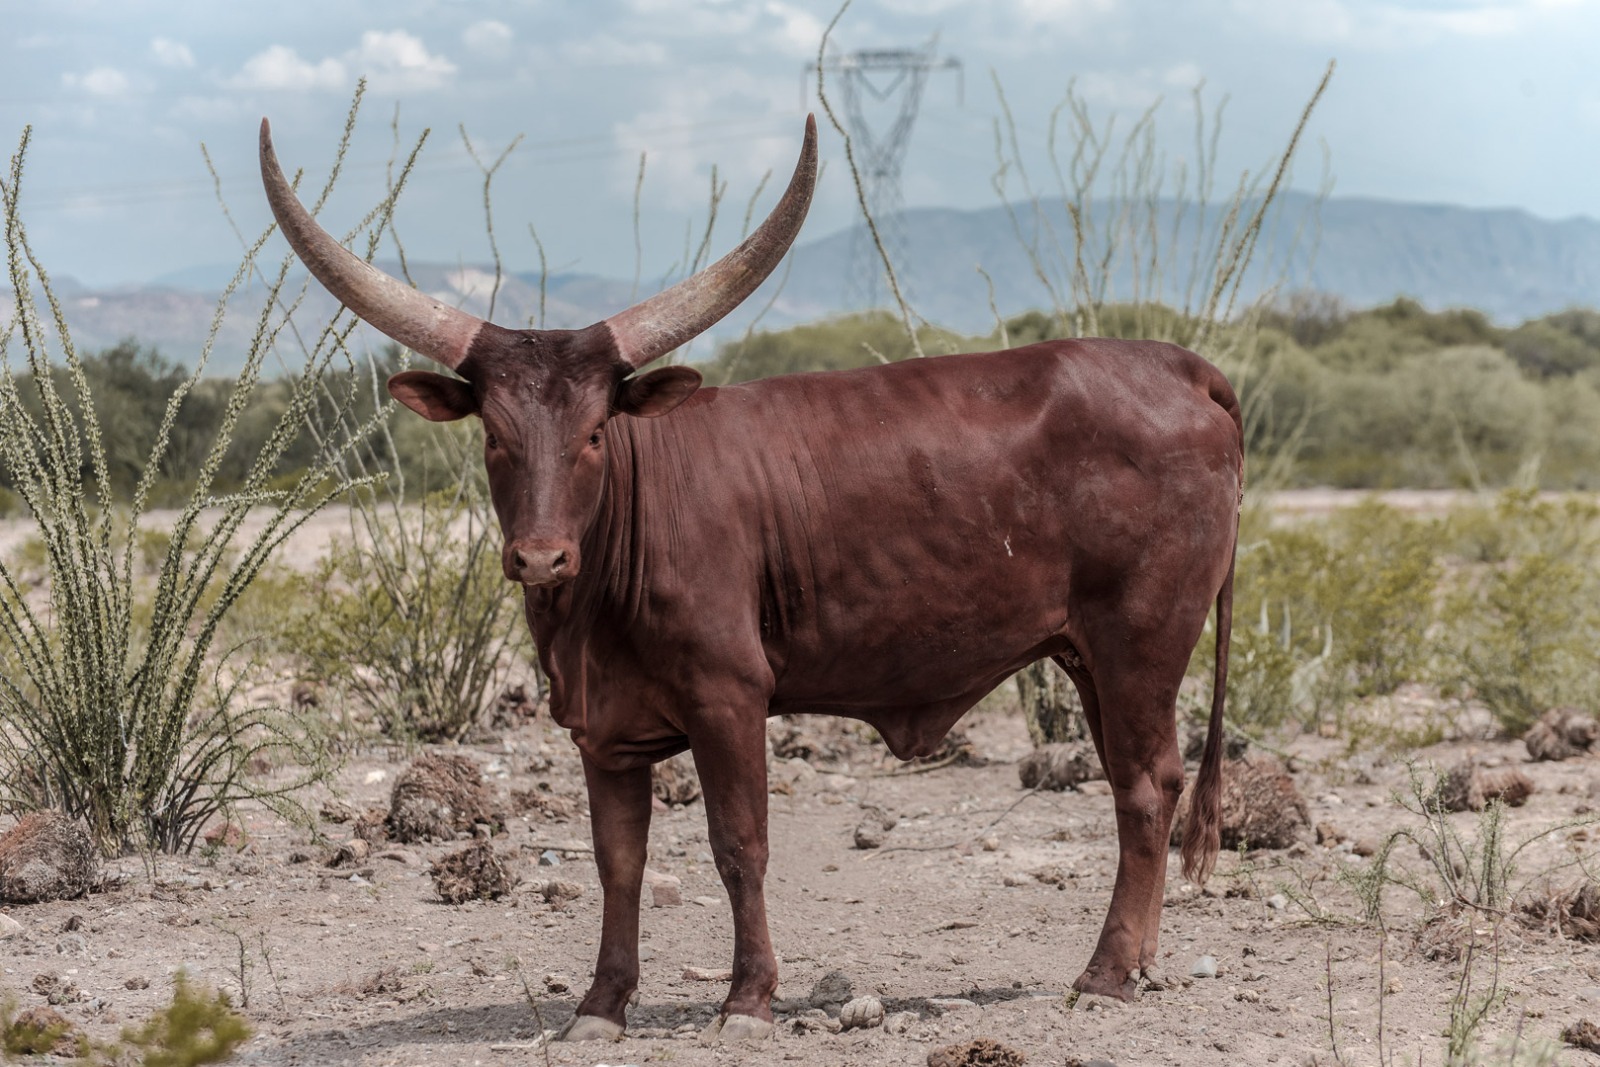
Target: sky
[[1492, 103]]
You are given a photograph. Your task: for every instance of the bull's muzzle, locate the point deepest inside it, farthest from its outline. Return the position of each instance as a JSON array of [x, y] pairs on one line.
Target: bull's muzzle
[[536, 563]]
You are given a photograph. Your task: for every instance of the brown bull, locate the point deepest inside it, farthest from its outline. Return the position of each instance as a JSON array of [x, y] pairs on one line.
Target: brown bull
[[886, 544]]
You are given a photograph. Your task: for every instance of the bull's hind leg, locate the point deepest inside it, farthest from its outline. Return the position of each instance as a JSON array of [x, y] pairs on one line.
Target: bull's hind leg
[[619, 814], [1134, 725]]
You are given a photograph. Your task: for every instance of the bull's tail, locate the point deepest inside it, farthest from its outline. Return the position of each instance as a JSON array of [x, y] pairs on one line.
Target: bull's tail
[[1202, 837]]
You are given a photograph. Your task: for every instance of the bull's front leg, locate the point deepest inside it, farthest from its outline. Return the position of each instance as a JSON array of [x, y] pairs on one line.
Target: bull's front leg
[[730, 754], [619, 815]]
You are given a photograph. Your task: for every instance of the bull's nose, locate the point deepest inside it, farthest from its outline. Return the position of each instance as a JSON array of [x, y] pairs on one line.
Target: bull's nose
[[541, 562]]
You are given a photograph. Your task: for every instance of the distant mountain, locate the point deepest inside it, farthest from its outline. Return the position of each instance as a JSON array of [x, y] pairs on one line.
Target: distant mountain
[[1507, 263]]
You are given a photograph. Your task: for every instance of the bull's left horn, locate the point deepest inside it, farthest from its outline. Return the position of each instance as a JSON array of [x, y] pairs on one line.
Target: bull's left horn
[[651, 329], [414, 319]]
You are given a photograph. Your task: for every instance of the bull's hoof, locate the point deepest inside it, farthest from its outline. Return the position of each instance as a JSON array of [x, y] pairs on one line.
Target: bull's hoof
[[1101, 984], [733, 1029], [589, 1028]]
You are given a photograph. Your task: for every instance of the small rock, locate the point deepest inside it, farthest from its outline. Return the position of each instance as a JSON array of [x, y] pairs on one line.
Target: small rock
[[46, 856], [1583, 1034], [899, 1022], [138, 981], [707, 902], [549, 858], [557, 892], [353, 852], [1060, 766], [1278, 902], [557, 983], [675, 781], [374, 777], [708, 974], [1095, 788], [990, 843], [869, 833], [1364, 847], [665, 895], [1247, 996], [833, 989], [1204, 967], [862, 1013], [9, 927], [1392, 986]]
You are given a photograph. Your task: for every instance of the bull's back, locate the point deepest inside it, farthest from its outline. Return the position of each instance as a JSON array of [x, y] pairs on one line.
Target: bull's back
[[920, 530]]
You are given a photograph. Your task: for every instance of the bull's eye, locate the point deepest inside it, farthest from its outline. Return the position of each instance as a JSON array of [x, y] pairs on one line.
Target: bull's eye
[[594, 438], [491, 441]]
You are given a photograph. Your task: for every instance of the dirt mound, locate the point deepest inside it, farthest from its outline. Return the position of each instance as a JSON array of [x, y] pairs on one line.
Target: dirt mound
[[1060, 766], [474, 873], [979, 1052], [1261, 806], [46, 856], [1562, 733], [437, 797], [674, 781], [1470, 787]]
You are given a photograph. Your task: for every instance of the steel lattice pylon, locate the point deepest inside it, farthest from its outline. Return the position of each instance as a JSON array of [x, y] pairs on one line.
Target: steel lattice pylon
[[882, 90]]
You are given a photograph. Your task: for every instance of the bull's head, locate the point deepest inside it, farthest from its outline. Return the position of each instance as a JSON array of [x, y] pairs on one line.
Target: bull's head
[[544, 395]]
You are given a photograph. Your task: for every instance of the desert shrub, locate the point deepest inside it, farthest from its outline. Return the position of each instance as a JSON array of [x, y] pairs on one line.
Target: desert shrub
[[136, 722], [412, 615], [1328, 611], [1521, 621]]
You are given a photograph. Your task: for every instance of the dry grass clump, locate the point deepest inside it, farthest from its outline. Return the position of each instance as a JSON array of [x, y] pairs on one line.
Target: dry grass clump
[[674, 781], [1470, 787], [1576, 912], [437, 797], [1562, 733], [46, 856], [474, 873], [1261, 806], [979, 1052], [1060, 766]]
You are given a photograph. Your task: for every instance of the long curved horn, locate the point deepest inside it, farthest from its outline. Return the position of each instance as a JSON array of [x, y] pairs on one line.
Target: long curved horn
[[651, 329], [414, 319]]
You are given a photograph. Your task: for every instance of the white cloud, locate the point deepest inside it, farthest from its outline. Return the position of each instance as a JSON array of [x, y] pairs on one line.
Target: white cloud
[[391, 60], [173, 54], [1398, 23], [489, 37], [280, 67], [101, 81], [394, 60], [798, 29]]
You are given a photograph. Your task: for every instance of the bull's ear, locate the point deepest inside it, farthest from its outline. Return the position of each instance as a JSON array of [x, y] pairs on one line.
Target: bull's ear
[[658, 392], [434, 396]]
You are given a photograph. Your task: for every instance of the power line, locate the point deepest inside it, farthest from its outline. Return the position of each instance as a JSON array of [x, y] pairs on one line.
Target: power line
[[882, 91]]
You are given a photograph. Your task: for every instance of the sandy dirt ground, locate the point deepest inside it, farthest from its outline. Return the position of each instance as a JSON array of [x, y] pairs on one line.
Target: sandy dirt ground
[[971, 920]]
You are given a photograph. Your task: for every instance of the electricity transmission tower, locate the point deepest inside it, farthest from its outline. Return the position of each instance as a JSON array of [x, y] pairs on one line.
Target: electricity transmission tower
[[882, 90]]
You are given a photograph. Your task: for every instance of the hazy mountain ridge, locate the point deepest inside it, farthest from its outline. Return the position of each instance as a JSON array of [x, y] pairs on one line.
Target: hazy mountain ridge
[[1507, 263]]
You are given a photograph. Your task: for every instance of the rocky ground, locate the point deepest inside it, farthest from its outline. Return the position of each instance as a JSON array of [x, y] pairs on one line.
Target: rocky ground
[[970, 919]]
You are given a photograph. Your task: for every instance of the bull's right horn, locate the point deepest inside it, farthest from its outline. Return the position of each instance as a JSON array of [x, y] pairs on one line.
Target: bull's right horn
[[414, 319]]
